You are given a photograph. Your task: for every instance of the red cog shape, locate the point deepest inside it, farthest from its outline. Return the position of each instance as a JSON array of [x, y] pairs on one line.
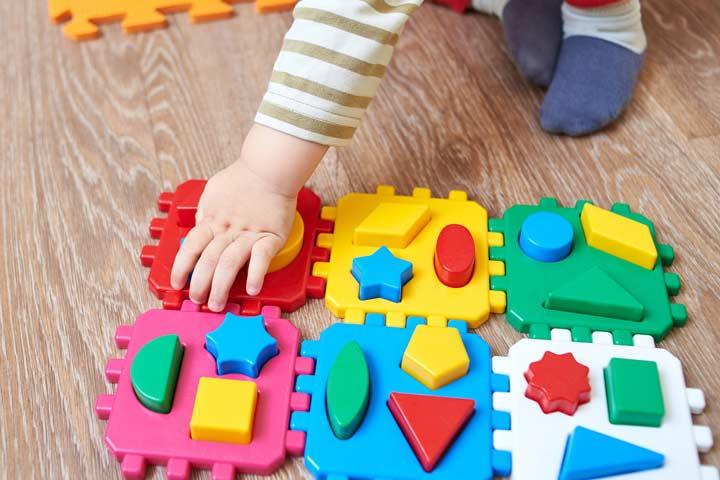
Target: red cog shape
[[558, 383]]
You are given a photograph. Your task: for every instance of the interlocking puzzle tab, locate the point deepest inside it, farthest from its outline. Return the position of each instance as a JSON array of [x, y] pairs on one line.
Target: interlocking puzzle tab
[[413, 224], [287, 287], [597, 286], [406, 437], [231, 423], [557, 446]]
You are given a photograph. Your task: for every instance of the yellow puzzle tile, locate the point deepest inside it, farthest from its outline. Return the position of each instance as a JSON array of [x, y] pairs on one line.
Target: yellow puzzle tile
[[619, 236], [435, 356], [424, 295], [224, 410], [392, 225]]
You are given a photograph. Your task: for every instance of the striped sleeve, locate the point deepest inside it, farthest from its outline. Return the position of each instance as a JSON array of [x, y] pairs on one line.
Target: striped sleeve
[[330, 66]]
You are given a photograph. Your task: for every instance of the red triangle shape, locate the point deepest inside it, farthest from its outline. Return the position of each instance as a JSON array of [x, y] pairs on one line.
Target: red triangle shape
[[429, 423]]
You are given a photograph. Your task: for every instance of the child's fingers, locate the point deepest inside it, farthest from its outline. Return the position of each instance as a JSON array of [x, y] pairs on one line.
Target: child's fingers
[[231, 261], [193, 245], [205, 268], [262, 254]]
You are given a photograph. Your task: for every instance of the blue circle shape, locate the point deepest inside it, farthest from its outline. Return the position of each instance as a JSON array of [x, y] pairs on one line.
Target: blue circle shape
[[546, 237]]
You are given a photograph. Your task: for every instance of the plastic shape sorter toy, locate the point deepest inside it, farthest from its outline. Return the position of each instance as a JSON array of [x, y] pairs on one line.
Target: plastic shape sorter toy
[[138, 436], [379, 448], [286, 287], [654, 437], [586, 271], [409, 227]]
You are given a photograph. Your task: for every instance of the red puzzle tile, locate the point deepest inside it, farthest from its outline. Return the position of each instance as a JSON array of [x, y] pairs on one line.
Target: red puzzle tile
[[286, 288]]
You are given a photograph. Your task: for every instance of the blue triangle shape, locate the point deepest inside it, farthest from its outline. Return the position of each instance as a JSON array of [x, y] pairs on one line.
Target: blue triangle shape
[[590, 455]]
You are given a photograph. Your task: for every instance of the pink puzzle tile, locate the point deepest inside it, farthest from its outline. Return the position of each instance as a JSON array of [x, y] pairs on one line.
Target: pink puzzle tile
[[137, 436]]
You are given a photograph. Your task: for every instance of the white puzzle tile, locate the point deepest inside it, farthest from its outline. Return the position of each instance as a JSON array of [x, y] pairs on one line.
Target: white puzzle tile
[[539, 439]]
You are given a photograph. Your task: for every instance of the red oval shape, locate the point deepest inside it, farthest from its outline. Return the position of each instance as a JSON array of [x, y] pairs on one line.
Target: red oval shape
[[455, 256]]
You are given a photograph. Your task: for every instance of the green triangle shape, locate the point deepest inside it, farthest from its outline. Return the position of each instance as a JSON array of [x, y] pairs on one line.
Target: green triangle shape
[[595, 293]]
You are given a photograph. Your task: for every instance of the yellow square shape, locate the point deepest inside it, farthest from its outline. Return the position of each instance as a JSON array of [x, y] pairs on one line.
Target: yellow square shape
[[224, 410], [424, 295], [618, 236]]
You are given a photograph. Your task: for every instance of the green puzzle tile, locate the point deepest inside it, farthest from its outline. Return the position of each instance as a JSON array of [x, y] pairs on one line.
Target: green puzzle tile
[[589, 290], [634, 394]]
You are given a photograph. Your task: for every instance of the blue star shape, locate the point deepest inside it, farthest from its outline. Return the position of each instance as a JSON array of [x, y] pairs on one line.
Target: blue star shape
[[241, 345], [381, 275]]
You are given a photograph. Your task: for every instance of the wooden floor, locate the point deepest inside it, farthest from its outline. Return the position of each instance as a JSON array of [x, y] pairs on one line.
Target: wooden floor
[[91, 132]]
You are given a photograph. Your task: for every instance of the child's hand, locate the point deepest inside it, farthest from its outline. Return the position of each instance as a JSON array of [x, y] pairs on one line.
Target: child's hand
[[244, 216]]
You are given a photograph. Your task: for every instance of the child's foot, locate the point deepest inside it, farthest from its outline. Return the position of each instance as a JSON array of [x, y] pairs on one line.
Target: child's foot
[[533, 32], [597, 70]]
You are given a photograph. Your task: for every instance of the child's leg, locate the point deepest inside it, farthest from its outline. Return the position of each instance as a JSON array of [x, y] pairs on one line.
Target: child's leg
[[598, 66], [533, 32]]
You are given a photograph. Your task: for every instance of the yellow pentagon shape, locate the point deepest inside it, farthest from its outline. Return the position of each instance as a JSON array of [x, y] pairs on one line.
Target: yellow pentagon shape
[[224, 410], [619, 236], [392, 225], [292, 246], [424, 295], [435, 356]]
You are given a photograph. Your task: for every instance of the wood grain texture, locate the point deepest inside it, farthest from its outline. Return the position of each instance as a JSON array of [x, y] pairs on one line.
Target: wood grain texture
[[91, 132]]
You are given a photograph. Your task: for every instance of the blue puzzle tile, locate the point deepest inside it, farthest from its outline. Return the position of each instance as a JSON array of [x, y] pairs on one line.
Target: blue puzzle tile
[[381, 275], [241, 345], [377, 450]]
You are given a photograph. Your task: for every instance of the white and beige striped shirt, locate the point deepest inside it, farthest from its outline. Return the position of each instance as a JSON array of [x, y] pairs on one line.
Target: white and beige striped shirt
[[330, 66]]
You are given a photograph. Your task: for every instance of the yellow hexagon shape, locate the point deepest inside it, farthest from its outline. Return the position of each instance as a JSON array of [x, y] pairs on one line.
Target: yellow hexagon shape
[[435, 356]]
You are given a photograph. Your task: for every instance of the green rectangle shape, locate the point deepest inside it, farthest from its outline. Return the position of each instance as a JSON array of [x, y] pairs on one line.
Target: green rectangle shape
[[634, 394]]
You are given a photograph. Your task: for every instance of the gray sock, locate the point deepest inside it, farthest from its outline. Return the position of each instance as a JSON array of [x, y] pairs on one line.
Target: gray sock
[[533, 32], [593, 82]]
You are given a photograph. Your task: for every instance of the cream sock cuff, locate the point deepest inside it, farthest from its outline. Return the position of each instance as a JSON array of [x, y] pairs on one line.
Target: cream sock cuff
[[620, 24], [492, 7]]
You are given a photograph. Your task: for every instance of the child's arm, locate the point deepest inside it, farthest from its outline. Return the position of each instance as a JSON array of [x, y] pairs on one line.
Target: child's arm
[[330, 67], [245, 213]]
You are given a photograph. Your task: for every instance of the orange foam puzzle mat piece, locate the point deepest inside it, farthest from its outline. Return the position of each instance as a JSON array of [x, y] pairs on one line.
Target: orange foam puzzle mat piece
[[83, 16]]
